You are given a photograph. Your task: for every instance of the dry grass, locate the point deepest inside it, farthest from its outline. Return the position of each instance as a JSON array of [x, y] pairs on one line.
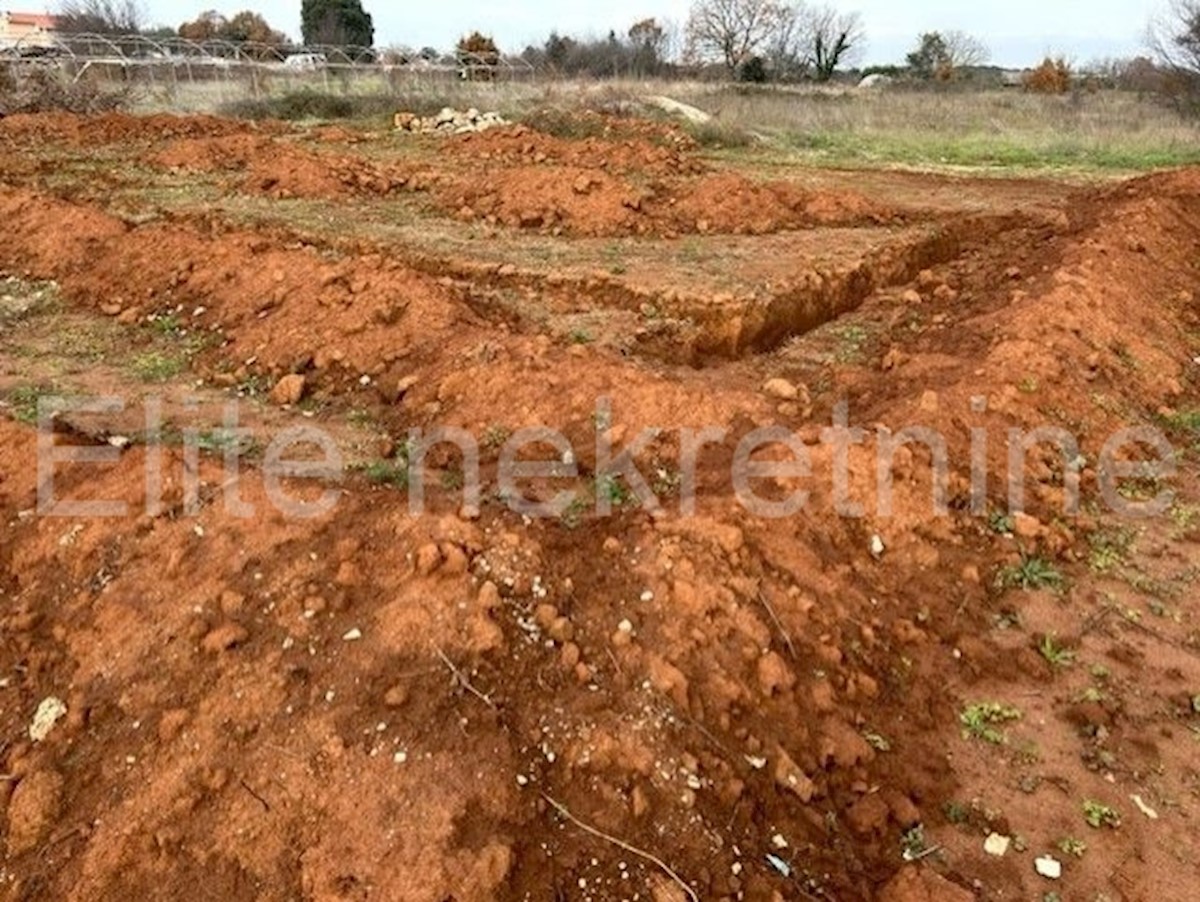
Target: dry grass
[[1107, 130], [1010, 129]]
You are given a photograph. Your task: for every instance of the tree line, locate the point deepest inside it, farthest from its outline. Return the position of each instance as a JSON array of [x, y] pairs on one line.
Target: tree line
[[750, 40], [337, 23]]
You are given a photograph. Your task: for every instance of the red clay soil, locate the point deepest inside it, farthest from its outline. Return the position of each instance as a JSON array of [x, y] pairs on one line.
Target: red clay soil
[[468, 705], [112, 128], [524, 179], [523, 146], [281, 169], [582, 201]]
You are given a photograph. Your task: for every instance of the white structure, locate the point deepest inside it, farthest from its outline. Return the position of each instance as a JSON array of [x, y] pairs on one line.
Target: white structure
[[30, 29]]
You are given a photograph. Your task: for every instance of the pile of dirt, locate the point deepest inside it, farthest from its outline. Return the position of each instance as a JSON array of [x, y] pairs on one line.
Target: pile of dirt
[[303, 175], [290, 308], [282, 169], [732, 204], [112, 128], [605, 186], [525, 147], [210, 154], [560, 198], [594, 202]]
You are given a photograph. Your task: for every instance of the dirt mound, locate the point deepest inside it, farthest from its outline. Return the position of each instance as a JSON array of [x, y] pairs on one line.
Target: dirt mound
[[525, 147], [605, 185], [590, 201], [282, 169], [290, 308], [208, 154], [579, 201], [298, 174], [730, 203], [111, 128]]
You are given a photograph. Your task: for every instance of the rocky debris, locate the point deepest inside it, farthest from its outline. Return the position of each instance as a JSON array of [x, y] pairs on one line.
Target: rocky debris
[[288, 391], [34, 807], [781, 390], [449, 121], [224, 637], [49, 712]]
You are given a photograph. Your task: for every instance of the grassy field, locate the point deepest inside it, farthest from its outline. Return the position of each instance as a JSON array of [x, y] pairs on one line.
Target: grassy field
[[1008, 129], [1103, 131]]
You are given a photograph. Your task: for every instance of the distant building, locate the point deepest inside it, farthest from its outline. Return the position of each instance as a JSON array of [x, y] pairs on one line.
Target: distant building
[[30, 29]]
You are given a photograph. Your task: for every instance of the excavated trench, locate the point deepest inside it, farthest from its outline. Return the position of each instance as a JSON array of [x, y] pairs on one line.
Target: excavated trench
[[702, 329]]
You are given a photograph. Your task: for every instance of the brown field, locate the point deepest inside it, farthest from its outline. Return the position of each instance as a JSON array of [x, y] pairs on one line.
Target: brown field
[[467, 704]]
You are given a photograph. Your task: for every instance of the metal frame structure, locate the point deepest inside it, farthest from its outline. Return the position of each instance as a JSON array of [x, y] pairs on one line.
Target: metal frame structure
[[172, 57]]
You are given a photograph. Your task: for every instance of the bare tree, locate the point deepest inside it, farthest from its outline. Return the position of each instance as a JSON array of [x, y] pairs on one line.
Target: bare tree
[[1174, 37], [789, 49], [964, 50], [941, 55], [836, 38], [110, 17], [731, 31]]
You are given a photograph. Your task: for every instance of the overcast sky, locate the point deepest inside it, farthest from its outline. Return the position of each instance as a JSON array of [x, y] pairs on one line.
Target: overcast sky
[[1018, 32]]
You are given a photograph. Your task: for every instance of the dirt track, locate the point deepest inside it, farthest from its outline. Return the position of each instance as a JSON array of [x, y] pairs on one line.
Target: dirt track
[[711, 690]]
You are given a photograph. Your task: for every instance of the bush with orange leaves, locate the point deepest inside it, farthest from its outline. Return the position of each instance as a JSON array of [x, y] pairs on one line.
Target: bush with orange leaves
[[1053, 76]]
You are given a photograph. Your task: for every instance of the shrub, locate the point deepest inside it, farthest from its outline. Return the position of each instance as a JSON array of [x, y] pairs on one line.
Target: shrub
[[753, 71], [479, 56], [43, 90], [308, 104], [1053, 76]]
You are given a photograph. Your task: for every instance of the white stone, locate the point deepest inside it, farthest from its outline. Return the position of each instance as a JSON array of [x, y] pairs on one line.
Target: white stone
[[997, 845], [353, 636], [1049, 868], [49, 712], [1144, 808]]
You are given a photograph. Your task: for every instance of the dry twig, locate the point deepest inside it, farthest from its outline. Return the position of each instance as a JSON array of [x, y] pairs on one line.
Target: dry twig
[[621, 844], [791, 646], [463, 681]]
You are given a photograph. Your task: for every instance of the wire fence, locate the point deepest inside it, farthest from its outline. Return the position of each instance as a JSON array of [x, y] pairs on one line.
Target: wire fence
[[176, 64]]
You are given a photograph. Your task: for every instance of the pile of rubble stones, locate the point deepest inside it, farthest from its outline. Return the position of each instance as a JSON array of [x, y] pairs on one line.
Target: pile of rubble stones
[[449, 121]]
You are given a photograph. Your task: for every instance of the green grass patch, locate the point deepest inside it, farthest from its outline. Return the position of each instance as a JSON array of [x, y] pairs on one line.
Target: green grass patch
[[1110, 548], [1099, 815], [985, 719], [983, 150], [1034, 573], [155, 366], [24, 401], [1056, 655]]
